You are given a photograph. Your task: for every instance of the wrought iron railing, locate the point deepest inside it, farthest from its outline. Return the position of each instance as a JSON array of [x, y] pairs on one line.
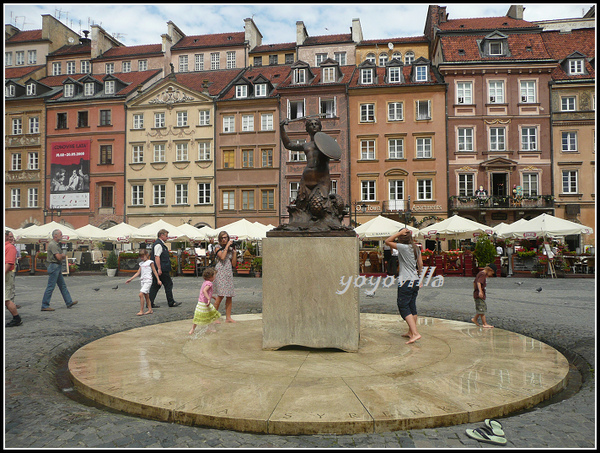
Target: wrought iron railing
[[494, 202]]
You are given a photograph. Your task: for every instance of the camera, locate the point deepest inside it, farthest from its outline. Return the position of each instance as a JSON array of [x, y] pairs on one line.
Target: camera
[[235, 242]]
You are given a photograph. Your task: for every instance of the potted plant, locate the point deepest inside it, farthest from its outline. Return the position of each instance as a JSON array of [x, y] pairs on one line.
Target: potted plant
[[257, 266], [485, 252], [112, 263], [244, 268]]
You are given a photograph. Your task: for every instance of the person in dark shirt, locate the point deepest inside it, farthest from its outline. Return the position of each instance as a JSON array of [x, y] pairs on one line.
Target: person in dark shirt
[[479, 285]]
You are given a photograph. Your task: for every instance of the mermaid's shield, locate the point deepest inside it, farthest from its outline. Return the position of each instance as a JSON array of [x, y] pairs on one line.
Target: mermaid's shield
[[328, 145]]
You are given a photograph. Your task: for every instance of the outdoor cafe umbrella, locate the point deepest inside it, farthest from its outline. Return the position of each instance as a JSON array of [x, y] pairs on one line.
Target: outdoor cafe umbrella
[[263, 229], [43, 233], [120, 233], [456, 227], [150, 232], [381, 227], [91, 233], [505, 231], [546, 225], [193, 233], [242, 229]]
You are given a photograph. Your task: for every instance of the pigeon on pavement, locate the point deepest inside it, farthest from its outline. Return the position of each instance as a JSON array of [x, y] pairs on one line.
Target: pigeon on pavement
[[539, 289]]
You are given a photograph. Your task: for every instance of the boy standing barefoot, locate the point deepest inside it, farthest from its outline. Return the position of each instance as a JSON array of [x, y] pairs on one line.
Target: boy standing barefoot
[[479, 285]]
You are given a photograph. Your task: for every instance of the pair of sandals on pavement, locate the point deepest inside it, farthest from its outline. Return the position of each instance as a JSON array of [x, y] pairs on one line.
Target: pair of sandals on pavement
[[491, 433]]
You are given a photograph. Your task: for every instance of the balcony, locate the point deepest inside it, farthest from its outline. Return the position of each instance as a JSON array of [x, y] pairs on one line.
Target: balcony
[[470, 203]]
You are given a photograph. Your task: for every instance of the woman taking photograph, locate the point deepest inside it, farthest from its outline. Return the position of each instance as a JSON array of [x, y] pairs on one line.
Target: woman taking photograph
[[223, 284]]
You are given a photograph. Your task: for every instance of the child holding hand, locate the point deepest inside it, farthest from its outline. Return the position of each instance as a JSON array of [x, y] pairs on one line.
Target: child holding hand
[[145, 272], [205, 312]]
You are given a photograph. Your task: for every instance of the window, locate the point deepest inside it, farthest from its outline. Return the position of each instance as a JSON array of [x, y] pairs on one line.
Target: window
[[569, 180], [241, 91], [396, 148], [138, 121], [142, 65], [423, 110], [569, 142], [575, 67], [204, 151], [329, 74], [257, 61], [159, 194], [159, 152], [409, 57], [528, 91], [199, 62], [181, 152], [367, 113], [320, 58], [109, 87], [395, 111], [61, 121], [266, 122], [183, 63], [228, 159], [204, 193], [529, 139], [266, 158], [159, 119], [496, 91], [299, 75], [82, 119], [464, 92], [465, 139], [260, 90], [466, 185], [88, 89], [204, 117], [137, 195], [215, 60], [228, 200], [327, 106], [105, 117], [383, 59], [231, 59], [56, 68], [247, 199], [33, 161], [86, 67], [31, 89], [424, 148], [16, 162], [17, 126], [7, 58], [20, 58], [340, 57], [394, 75], [69, 90], [106, 197], [273, 60], [367, 149], [567, 104], [496, 48], [71, 67], [31, 56], [289, 58], [15, 198], [366, 76], [105, 154], [110, 68], [295, 109], [298, 156], [182, 119], [294, 186], [32, 197], [530, 184], [137, 154], [424, 189], [370, 58], [367, 191], [247, 158], [268, 199], [396, 190], [181, 194], [228, 124], [10, 91], [497, 139], [127, 66]]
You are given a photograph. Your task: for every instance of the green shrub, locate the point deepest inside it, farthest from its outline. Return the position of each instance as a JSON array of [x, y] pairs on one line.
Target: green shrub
[[485, 252], [112, 262]]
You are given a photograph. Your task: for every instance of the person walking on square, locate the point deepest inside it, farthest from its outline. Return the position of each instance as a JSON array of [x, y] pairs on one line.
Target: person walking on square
[[226, 259], [479, 285], [54, 258], [205, 312], [10, 263], [410, 265], [145, 272], [160, 256]]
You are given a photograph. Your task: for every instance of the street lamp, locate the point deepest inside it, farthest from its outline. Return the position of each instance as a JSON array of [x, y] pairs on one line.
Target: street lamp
[[51, 210], [362, 207]]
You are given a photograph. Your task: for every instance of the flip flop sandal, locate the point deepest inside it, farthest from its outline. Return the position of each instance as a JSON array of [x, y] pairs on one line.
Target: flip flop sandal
[[495, 426], [485, 435]]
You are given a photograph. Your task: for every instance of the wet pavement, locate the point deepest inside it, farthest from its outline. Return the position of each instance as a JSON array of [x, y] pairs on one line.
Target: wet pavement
[[39, 414]]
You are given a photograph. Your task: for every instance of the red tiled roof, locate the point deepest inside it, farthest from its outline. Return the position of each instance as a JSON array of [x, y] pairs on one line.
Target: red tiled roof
[[72, 50], [561, 45], [20, 71], [274, 47], [24, 36], [327, 39], [213, 40], [485, 23], [560, 74], [526, 46], [130, 51], [217, 80], [275, 74], [385, 41], [54, 81]]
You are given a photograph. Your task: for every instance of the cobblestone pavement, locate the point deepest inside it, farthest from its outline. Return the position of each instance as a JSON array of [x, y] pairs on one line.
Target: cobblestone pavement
[[38, 414]]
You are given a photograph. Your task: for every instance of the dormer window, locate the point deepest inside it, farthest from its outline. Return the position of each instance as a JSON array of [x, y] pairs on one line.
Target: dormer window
[[329, 75], [496, 49], [88, 89], [241, 91], [10, 91], [109, 87], [366, 76], [494, 45], [69, 90], [395, 74], [31, 89], [576, 67], [260, 90], [421, 74], [299, 75]]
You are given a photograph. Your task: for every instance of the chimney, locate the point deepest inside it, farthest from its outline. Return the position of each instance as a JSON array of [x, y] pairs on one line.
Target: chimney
[[515, 12], [301, 33], [356, 29]]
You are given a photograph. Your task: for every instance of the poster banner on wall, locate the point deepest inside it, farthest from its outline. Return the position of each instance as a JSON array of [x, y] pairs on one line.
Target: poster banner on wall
[[70, 174]]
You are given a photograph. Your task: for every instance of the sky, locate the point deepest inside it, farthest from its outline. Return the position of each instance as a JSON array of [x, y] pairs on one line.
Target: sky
[[136, 24]]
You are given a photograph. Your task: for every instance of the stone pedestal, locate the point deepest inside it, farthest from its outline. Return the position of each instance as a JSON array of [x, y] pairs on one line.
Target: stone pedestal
[[300, 305]]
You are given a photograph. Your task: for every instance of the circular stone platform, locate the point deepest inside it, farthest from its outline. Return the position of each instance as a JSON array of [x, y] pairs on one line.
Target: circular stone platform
[[457, 373]]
